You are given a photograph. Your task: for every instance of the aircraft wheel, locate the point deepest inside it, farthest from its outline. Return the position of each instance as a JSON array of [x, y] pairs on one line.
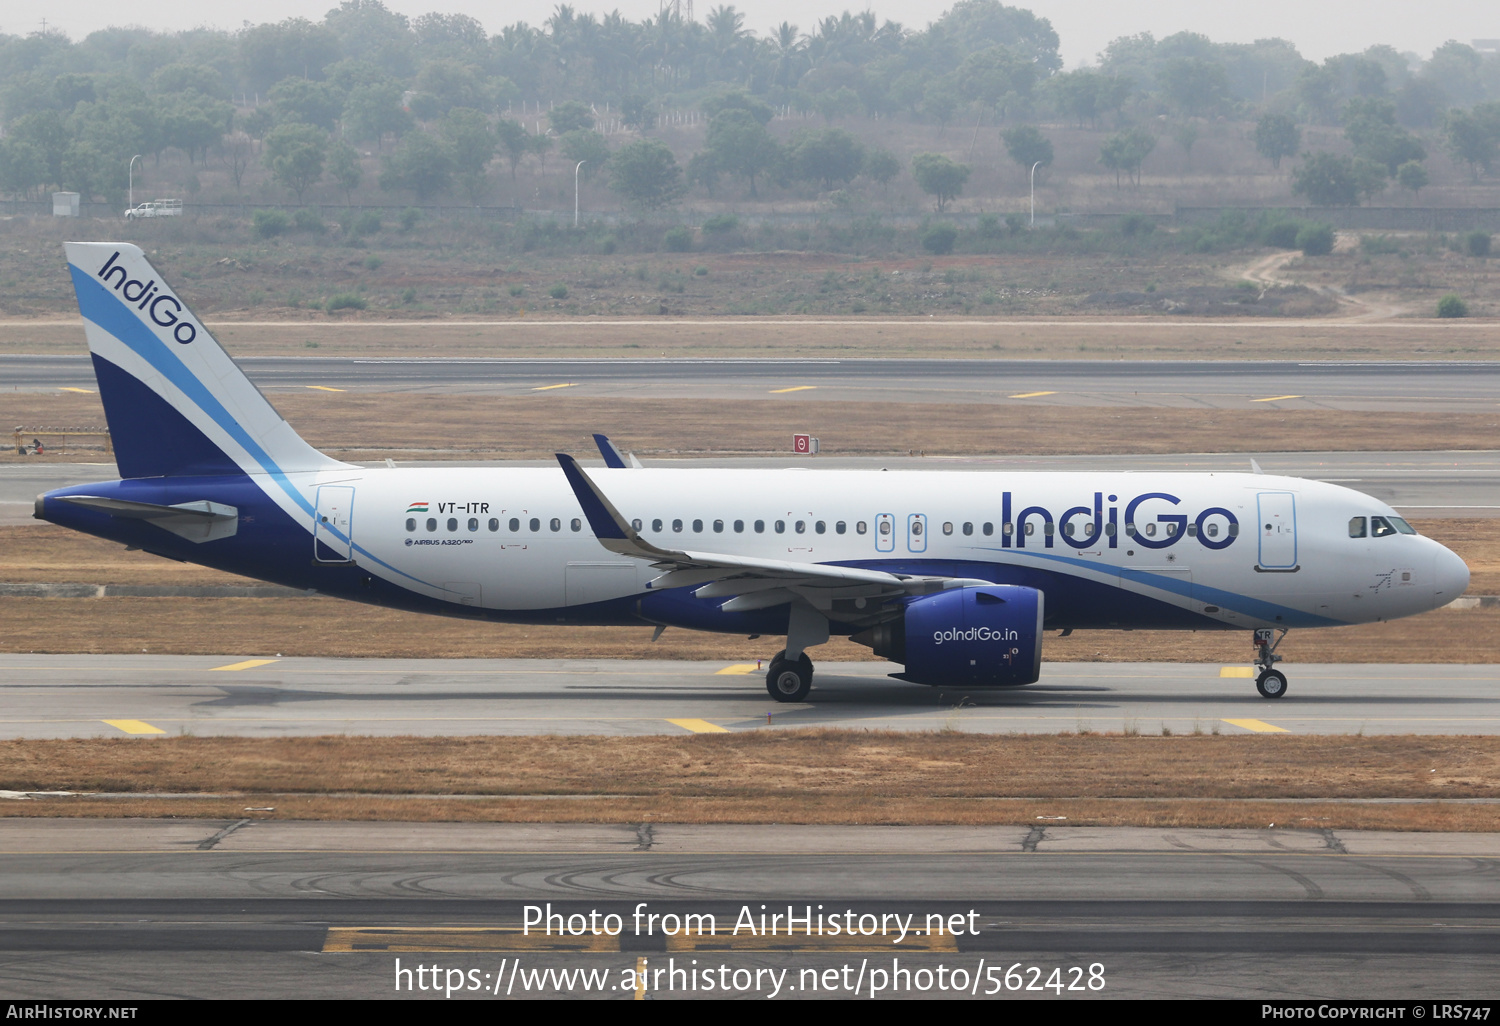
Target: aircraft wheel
[[1271, 684], [790, 681]]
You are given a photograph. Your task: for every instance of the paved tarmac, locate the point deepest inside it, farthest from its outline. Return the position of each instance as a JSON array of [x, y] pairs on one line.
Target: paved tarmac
[[52, 696], [1375, 386], [1420, 484], [257, 907]]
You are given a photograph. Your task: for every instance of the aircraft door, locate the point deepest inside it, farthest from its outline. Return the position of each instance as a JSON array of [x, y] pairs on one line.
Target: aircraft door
[[333, 525], [1278, 530], [916, 532], [885, 533]]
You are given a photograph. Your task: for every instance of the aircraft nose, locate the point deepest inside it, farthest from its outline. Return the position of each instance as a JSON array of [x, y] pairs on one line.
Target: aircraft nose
[[1450, 576]]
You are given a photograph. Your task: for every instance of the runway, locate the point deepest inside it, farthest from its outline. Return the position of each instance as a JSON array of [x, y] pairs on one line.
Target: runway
[[55, 696], [259, 907], [1372, 387]]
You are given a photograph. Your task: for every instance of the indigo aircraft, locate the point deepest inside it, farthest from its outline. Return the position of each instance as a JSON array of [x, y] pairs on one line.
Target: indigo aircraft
[[954, 575]]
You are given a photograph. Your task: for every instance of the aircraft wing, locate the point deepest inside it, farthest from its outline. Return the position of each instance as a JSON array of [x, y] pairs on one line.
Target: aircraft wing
[[749, 582]]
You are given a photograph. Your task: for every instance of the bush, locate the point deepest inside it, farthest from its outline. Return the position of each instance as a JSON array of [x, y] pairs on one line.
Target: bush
[[1281, 234], [1477, 244], [1315, 239], [608, 245], [372, 263], [367, 223], [700, 271], [308, 221], [938, 239], [408, 295], [719, 224], [1015, 223], [1451, 306], [989, 226], [518, 290], [679, 239], [409, 218], [346, 301], [558, 291], [270, 223], [1136, 224]]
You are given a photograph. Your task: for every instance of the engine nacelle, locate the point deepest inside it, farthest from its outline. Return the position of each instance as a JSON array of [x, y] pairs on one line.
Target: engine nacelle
[[982, 636]]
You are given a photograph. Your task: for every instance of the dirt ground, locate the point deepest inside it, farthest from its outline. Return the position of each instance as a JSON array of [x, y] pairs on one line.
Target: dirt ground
[[814, 776], [372, 426], [319, 626]]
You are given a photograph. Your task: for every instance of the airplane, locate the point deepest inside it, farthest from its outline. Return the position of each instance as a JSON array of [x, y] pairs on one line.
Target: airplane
[[954, 575]]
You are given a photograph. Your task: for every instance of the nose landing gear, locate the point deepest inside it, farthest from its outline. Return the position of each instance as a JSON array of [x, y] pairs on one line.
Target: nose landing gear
[[1271, 683]]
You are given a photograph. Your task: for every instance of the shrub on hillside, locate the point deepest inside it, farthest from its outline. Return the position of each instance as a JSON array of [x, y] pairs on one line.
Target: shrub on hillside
[[268, 224], [1452, 306], [939, 238], [1315, 239]]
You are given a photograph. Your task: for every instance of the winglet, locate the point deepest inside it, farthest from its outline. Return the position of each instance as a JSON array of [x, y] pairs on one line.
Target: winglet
[[1255, 467], [609, 526], [612, 456]]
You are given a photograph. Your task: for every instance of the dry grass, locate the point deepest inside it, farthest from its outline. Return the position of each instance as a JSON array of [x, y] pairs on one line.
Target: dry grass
[[816, 776], [355, 425]]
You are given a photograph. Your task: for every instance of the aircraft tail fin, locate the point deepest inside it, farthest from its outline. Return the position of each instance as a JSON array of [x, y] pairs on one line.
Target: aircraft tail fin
[[176, 404]]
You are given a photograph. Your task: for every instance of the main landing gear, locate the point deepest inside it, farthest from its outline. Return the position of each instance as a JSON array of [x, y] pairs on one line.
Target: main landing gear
[[789, 680], [1271, 683]]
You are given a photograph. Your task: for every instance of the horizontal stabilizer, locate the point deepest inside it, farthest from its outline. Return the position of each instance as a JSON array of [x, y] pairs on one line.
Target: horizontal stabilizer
[[199, 521]]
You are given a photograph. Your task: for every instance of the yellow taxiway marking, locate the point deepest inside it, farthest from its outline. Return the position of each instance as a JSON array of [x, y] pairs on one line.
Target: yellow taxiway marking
[[737, 670], [248, 664], [85, 391], [1275, 398], [699, 726], [135, 727], [1031, 395], [1236, 671], [325, 388], [1259, 726], [548, 388], [794, 388]]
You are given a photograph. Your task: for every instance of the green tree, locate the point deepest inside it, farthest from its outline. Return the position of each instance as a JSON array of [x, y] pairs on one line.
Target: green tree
[[193, 124], [472, 146], [374, 110], [1473, 136], [442, 85], [1277, 136], [23, 167], [312, 103], [515, 141], [1028, 147], [1412, 176], [1327, 180], [421, 164], [1370, 178], [939, 177], [741, 145], [829, 156], [1370, 124], [638, 112], [646, 174], [1125, 152], [294, 153], [570, 116], [582, 144], [1196, 87], [882, 166], [343, 165]]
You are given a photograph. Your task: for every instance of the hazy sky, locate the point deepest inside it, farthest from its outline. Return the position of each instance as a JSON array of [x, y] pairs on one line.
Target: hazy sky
[[1319, 28]]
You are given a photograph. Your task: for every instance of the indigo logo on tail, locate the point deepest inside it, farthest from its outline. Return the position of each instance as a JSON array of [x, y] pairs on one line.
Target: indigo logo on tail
[[161, 308]]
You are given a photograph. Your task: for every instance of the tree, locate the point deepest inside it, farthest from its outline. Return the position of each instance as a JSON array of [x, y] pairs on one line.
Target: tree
[[373, 110], [343, 164], [23, 167], [1473, 136], [1277, 136], [295, 153], [646, 174], [1196, 87], [313, 103], [741, 145], [515, 141], [1186, 135], [1124, 153], [939, 177], [193, 124], [421, 164], [590, 147], [234, 154], [1412, 175], [570, 116], [472, 146], [881, 166], [444, 84], [1327, 180], [1027, 146], [638, 112], [829, 156], [1370, 124]]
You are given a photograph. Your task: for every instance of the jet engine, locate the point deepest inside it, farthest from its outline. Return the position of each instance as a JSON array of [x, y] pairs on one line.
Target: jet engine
[[981, 636]]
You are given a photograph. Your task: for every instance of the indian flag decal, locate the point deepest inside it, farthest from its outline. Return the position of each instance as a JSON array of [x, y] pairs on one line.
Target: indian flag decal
[[417, 507]]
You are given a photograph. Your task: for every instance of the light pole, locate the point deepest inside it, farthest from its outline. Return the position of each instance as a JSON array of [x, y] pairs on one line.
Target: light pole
[[1033, 192], [575, 192], [130, 201]]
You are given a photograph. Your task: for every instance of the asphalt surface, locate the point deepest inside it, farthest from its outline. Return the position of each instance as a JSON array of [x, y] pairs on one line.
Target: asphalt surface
[[1420, 484], [255, 908], [1375, 386], [50, 696]]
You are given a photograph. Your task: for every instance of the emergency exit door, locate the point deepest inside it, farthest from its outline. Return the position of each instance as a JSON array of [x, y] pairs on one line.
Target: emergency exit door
[[1278, 530]]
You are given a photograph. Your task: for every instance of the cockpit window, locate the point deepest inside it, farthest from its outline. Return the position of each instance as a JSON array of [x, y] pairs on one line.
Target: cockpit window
[[1380, 527], [1403, 526], [1356, 527]]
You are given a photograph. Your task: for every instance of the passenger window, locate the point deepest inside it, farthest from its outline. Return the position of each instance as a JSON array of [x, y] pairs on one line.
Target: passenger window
[[656, 525], [677, 526], [432, 523], [781, 527], [947, 527], [859, 527], [697, 527], [1068, 529], [473, 523], [1150, 530], [739, 527], [411, 523], [1212, 529], [494, 524], [453, 523], [718, 527], [555, 524], [839, 527], [1356, 527], [1171, 530], [820, 527], [577, 524], [1030, 528], [1113, 529], [801, 527], [1380, 527], [885, 527], [1047, 530], [515, 525], [916, 528], [760, 527], [536, 525], [1234, 530], [636, 523], [968, 528], [1192, 530]]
